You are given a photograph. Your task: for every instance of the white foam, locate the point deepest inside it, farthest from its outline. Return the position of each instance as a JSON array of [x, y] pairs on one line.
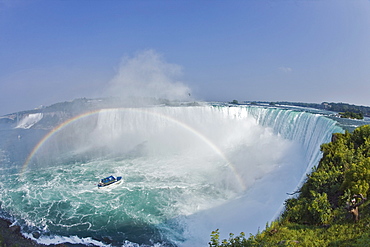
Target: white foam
[[48, 240]]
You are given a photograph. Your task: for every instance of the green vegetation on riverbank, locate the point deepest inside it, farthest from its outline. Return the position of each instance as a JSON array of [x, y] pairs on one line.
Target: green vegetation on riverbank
[[323, 212], [336, 107], [352, 115]]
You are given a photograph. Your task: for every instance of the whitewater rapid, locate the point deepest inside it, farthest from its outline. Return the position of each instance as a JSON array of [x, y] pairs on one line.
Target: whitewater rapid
[[187, 171]]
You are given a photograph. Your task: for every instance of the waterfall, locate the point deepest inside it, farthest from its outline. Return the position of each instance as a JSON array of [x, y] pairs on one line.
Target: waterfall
[[306, 129], [187, 171]]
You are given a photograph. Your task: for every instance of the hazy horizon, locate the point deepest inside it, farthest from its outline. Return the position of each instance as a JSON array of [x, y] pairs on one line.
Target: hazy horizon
[[297, 51]]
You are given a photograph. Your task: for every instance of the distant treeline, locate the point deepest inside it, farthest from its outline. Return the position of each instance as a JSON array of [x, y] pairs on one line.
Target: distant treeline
[[336, 107]]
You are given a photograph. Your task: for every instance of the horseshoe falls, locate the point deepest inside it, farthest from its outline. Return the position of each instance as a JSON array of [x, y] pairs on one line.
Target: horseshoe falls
[[187, 170]]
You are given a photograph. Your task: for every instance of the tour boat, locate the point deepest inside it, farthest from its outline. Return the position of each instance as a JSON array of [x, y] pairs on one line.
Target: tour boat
[[109, 181]]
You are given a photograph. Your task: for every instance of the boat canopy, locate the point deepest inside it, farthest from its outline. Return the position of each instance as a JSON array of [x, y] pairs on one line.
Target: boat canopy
[[108, 179]]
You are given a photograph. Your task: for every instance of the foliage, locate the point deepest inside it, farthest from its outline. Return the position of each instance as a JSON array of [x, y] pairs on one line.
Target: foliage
[[237, 241], [317, 216], [353, 115], [336, 107], [344, 169]]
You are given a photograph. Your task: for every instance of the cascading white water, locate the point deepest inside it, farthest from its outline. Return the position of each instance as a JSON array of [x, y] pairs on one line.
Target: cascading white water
[[186, 170], [307, 129]]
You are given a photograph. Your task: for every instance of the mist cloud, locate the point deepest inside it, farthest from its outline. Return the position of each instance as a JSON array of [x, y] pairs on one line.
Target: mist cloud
[[148, 75]]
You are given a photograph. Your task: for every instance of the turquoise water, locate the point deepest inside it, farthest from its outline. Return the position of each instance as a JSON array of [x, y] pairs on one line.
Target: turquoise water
[[180, 166], [64, 199]]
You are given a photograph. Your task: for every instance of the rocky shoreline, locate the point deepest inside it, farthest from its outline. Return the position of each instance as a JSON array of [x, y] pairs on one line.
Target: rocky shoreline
[[10, 235]]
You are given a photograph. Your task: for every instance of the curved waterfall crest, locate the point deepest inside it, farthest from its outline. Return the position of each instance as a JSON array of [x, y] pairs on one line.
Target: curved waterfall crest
[[181, 166], [307, 129]]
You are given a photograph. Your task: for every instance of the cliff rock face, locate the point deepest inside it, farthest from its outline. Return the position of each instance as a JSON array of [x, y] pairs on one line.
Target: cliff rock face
[[10, 235], [35, 120], [334, 137], [48, 117]]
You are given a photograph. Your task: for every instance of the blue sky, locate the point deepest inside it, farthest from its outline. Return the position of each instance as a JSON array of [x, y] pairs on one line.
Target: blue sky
[[306, 51]]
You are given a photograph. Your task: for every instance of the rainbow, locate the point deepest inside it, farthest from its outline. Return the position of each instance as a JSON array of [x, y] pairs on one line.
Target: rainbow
[[51, 134], [63, 125]]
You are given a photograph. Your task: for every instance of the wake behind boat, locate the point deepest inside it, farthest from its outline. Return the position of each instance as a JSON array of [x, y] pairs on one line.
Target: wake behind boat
[[109, 181]]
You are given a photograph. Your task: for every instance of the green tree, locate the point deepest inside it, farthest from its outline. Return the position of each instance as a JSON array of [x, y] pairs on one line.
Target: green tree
[[357, 178], [343, 171]]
